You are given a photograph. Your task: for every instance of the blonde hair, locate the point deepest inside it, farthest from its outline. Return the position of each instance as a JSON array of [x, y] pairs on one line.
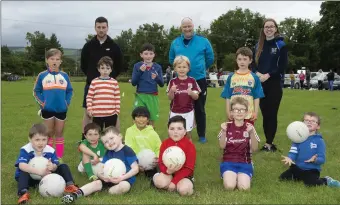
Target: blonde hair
[[263, 37], [53, 51], [181, 59], [239, 100]]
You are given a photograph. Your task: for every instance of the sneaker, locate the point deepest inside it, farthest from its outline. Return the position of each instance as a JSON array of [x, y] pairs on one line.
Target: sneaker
[[202, 140], [23, 199], [68, 198], [93, 178], [332, 182], [71, 188], [269, 149]]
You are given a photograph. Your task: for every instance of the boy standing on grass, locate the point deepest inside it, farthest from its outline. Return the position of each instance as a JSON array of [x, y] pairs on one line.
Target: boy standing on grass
[[38, 137], [305, 159], [142, 136], [183, 91], [243, 83], [103, 98], [146, 76]]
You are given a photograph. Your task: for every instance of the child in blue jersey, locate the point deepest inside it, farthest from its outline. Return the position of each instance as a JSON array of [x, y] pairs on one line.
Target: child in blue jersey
[[146, 75], [53, 92], [112, 141], [38, 147], [305, 158], [243, 83]]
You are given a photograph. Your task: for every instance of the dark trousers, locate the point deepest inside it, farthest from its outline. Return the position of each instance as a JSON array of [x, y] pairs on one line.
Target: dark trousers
[[301, 84], [309, 177], [200, 115], [149, 173], [269, 106], [320, 86], [107, 121], [25, 180]]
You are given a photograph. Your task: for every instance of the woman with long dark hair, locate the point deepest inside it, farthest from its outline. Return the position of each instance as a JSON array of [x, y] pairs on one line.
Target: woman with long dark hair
[[271, 59]]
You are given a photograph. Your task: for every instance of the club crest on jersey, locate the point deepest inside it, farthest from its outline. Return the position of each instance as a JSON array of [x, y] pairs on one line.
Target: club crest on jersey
[[61, 82], [274, 50], [250, 82], [189, 85], [245, 134]]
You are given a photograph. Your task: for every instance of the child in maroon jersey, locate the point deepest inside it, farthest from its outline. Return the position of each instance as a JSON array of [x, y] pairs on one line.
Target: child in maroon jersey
[[238, 140], [177, 179], [183, 91]]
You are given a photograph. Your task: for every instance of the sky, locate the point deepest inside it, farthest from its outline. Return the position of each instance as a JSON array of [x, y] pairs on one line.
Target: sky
[[72, 21]]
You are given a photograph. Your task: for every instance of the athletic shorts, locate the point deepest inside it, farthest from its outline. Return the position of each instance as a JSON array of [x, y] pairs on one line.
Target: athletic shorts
[[47, 115], [86, 90], [150, 101], [109, 184], [189, 119], [237, 167]]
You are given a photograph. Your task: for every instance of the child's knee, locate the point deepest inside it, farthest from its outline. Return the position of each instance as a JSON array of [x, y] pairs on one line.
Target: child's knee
[[229, 186], [98, 185], [243, 186], [161, 181], [120, 188], [186, 188]]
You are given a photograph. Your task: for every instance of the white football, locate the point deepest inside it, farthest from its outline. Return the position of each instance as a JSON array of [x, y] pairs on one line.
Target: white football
[[146, 158], [98, 168], [297, 131], [52, 185], [114, 168], [174, 157], [38, 163]]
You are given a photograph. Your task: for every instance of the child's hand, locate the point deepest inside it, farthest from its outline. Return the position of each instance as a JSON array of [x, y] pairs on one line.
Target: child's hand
[[171, 171], [89, 113], [253, 117], [153, 76], [250, 127], [171, 187], [287, 160], [141, 169], [117, 180], [50, 166], [143, 67], [173, 88], [44, 172], [224, 126], [312, 159], [95, 160]]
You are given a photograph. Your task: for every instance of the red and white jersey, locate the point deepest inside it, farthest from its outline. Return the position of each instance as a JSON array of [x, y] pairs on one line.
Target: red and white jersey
[[103, 97], [182, 102], [237, 148]]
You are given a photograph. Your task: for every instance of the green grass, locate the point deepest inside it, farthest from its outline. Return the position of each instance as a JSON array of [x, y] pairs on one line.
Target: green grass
[[19, 111]]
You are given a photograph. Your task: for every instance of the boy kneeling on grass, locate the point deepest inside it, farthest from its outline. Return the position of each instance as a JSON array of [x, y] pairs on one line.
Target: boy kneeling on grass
[[305, 158]]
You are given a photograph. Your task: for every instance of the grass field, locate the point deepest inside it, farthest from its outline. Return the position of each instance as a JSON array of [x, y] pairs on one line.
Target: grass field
[[19, 111]]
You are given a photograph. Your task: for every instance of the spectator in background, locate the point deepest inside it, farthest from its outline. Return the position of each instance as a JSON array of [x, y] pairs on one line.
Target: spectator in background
[[302, 79], [168, 75], [292, 79], [321, 77], [308, 75], [330, 78], [219, 74]]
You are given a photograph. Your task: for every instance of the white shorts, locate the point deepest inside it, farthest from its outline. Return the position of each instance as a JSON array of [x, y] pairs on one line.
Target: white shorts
[[81, 167], [189, 119]]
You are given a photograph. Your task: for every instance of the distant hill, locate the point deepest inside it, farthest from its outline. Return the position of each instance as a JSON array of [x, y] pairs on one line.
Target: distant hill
[[69, 52]]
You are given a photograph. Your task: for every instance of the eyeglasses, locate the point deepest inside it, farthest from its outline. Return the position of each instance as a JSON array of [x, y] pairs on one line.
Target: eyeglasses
[[239, 110], [310, 121], [269, 27]]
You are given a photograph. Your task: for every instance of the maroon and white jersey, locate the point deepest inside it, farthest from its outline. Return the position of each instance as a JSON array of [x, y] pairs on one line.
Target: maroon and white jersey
[[182, 102], [237, 148]]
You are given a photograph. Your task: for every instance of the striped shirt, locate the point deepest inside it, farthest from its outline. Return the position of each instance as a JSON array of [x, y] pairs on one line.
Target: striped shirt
[[103, 98]]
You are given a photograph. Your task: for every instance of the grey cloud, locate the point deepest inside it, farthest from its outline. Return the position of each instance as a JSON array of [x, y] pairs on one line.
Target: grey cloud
[[80, 16]]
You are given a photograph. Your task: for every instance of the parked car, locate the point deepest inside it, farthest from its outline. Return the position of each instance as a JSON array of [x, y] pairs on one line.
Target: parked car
[[10, 77], [314, 82]]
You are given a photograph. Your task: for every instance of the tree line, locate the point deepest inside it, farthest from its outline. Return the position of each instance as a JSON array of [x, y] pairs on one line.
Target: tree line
[[314, 45]]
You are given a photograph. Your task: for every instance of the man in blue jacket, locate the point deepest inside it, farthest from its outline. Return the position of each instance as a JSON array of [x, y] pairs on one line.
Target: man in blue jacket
[[200, 53]]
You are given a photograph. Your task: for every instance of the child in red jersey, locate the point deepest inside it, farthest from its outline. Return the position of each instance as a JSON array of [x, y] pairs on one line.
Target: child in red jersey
[[172, 179], [183, 91], [238, 140]]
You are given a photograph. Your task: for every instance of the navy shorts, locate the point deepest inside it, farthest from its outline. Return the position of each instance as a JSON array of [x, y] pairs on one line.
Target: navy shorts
[[109, 184], [237, 167], [46, 115], [86, 90]]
